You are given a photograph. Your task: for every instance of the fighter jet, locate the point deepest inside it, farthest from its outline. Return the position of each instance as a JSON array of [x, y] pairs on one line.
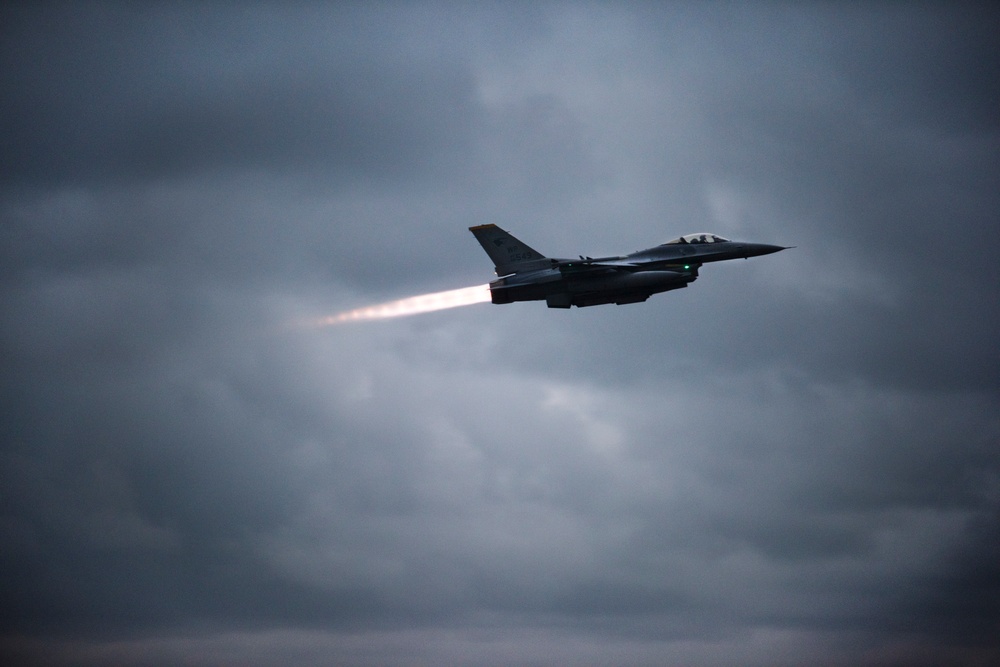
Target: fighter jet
[[524, 274]]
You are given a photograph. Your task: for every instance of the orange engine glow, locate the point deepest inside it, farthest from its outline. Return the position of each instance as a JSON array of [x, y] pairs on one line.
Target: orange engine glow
[[414, 305]]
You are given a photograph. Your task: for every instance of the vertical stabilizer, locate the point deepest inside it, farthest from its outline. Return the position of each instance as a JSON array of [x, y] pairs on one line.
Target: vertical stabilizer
[[509, 255]]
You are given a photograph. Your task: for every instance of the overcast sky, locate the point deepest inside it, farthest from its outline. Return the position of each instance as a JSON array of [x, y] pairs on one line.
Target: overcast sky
[[795, 461]]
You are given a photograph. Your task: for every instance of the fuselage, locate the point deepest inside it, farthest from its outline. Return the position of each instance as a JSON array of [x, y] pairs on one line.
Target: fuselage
[[699, 253], [586, 281]]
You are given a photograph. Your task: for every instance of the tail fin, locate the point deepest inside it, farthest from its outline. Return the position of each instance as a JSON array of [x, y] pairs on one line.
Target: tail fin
[[508, 254]]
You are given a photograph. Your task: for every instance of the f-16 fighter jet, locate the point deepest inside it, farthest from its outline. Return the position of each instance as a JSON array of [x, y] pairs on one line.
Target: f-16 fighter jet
[[527, 275]]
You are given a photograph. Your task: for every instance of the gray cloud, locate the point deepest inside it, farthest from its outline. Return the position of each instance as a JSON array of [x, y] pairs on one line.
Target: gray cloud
[[793, 461]]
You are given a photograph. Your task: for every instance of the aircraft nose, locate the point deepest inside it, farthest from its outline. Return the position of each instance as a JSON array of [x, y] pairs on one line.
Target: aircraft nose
[[758, 249]]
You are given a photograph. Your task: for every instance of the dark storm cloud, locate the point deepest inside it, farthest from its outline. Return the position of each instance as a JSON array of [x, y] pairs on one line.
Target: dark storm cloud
[[794, 460], [158, 92]]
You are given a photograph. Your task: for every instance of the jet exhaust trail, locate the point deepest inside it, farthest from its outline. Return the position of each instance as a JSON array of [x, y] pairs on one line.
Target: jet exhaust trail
[[414, 305]]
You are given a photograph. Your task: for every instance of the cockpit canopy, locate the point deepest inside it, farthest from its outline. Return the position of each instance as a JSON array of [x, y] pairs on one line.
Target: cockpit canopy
[[702, 237]]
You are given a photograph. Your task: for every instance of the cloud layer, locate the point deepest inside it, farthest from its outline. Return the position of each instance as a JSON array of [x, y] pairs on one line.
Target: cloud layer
[[794, 461]]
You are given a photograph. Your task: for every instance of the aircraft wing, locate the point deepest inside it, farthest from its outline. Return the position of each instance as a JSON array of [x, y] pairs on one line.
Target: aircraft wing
[[615, 269], [586, 265]]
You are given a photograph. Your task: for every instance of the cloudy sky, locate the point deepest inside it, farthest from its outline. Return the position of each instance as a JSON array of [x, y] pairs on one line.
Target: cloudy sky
[[796, 461]]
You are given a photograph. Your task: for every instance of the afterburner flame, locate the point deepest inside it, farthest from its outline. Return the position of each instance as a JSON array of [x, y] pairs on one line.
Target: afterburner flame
[[414, 305]]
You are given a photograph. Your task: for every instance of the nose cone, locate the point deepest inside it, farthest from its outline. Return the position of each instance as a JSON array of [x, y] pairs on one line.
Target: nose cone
[[758, 249]]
